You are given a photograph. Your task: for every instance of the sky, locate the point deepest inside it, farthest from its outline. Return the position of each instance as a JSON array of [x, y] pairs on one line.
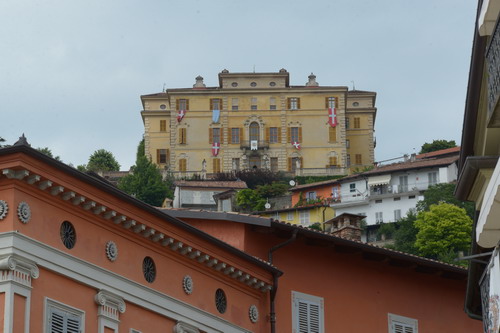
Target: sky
[[72, 72]]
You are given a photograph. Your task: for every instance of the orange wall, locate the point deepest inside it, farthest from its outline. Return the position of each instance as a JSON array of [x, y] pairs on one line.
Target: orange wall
[[19, 312], [324, 191]]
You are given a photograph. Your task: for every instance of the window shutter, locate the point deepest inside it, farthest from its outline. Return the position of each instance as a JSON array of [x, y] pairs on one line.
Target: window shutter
[[268, 130], [402, 328], [290, 164], [300, 134], [327, 105], [182, 164], [241, 134], [301, 162], [180, 135], [177, 104], [289, 135], [157, 156], [187, 104], [211, 104], [230, 136], [332, 134], [281, 135], [168, 156], [210, 135], [336, 102], [288, 103], [64, 322], [221, 133], [298, 103], [308, 317]]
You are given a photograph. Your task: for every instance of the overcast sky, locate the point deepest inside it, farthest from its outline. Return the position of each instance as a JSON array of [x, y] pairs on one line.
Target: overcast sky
[[72, 72]]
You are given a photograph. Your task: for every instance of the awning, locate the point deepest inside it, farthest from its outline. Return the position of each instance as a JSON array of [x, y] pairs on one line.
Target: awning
[[379, 180]]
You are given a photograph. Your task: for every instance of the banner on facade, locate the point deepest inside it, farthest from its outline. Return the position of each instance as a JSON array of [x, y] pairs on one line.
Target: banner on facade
[[215, 148], [296, 145], [332, 116], [180, 115], [254, 145]]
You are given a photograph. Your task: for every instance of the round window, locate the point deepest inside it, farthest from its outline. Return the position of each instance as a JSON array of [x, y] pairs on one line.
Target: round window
[[253, 84], [68, 234], [163, 106], [220, 300], [234, 84], [355, 104], [149, 269], [272, 84]]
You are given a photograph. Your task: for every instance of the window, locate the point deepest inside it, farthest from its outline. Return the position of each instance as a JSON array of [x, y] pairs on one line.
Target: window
[[289, 216], [379, 218], [348, 143], [433, 178], [254, 131], [358, 159], [331, 102], [400, 324], [335, 193], [149, 269], [311, 195], [357, 122], [293, 103], [403, 183], [216, 165], [411, 197], [304, 217], [215, 104], [161, 156], [182, 136], [234, 105], [182, 165], [62, 318], [378, 201], [352, 187], [294, 163], [333, 161], [273, 135], [346, 122], [348, 161], [274, 164], [235, 135], [163, 125], [397, 215], [307, 313], [253, 106], [182, 104], [295, 134], [277, 216], [68, 234], [272, 103], [236, 164], [332, 134], [215, 135]]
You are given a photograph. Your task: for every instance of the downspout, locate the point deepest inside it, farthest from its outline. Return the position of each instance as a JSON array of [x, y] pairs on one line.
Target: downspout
[[272, 294]]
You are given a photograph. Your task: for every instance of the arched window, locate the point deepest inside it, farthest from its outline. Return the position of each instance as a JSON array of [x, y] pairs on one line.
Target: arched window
[[254, 131]]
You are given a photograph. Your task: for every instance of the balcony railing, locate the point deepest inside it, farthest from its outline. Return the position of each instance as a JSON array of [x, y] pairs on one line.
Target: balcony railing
[[493, 67], [261, 144]]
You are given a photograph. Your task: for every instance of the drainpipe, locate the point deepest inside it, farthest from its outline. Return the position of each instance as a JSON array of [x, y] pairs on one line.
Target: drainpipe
[[272, 294]]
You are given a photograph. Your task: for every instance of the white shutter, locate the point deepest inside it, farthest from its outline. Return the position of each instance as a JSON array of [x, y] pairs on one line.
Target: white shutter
[[63, 322], [308, 313], [400, 324], [402, 328]]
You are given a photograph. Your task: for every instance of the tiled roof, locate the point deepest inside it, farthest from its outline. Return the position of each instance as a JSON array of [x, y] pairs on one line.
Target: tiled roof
[[439, 152], [324, 182], [211, 184]]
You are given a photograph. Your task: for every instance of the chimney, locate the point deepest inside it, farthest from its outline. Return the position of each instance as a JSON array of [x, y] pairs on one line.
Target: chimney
[[347, 226], [312, 81], [413, 157], [199, 82]]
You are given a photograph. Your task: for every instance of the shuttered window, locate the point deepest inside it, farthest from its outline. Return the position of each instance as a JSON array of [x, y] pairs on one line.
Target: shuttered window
[[294, 134], [400, 324], [163, 125], [61, 320], [182, 165], [182, 136], [272, 134], [214, 135], [332, 134], [331, 102], [216, 165], [357, 122], [215, 104], [333, 161], [235, 136], [358, 159], [182, 104], [293, 103], [161, 156], [308, 313]]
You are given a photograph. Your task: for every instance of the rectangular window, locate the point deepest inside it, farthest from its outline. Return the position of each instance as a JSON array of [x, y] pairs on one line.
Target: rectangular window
[[289, 216], [433, 178], [411, 197], [403, 183], [304, 217], [215, 104], [182, 165], [332, 134], [163, 125], [357, 122], [348, 162], [216, 165], [311, 195], [294, 134], [161, 156], [273, 135], [352, 187], [236, 164], [274, 164], [346, 123], [331, 102], [379, 217], [378, 201], [397, 198], [182, 104], [182, 136], [63, 318], [358, 159], [253, 106], [333, 161], [293, 103], [234, 105], [348, 143], [307, 313], [272, 103], [294, 163], [215, 135], [400, 324], [397, 215], [335, 193], [235, 135]]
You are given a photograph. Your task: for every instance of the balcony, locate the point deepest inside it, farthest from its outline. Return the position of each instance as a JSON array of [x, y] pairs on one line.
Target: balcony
[[261, 144], [493, 68]]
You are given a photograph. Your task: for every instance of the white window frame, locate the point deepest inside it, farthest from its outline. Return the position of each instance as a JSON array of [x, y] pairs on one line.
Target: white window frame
[[397, 215], [234, 104], [432, 178], [294, 103], [253, 104], [310, 302], [379, 217], [134, 331], [272, 103], [51, 306], [396, 321], [311, 195], [352, 187], [304, 217], [289, 215]]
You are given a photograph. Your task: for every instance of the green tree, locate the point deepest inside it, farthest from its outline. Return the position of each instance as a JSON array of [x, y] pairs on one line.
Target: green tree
[[437, 145], [102, 160], [443, 193], [442, 230], [249, 200], [406, 234], [48, 152]]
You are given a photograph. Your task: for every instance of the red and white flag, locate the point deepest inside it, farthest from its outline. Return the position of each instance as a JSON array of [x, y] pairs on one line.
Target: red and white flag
[[296, 145], [332, 116], [180, 115], [215, 148]]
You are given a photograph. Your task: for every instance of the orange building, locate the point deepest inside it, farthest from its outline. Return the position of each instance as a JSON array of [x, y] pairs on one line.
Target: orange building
[[334, 284], [79, 255]]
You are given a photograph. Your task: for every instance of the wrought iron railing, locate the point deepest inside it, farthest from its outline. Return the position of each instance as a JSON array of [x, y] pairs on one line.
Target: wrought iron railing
[[484, 285], [493, 67]]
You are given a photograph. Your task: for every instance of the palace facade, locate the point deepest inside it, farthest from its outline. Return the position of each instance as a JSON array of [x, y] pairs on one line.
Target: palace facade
[[260, 121]]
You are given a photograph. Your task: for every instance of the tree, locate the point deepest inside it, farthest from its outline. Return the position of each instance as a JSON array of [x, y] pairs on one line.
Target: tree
[[443, 193], [48, 152], [249, 200], [406, 234], [102, 160], [437, 145], [442, 230], [145, 182]]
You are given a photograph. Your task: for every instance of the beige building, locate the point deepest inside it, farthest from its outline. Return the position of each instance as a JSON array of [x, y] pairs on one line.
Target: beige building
[[258, 120]]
